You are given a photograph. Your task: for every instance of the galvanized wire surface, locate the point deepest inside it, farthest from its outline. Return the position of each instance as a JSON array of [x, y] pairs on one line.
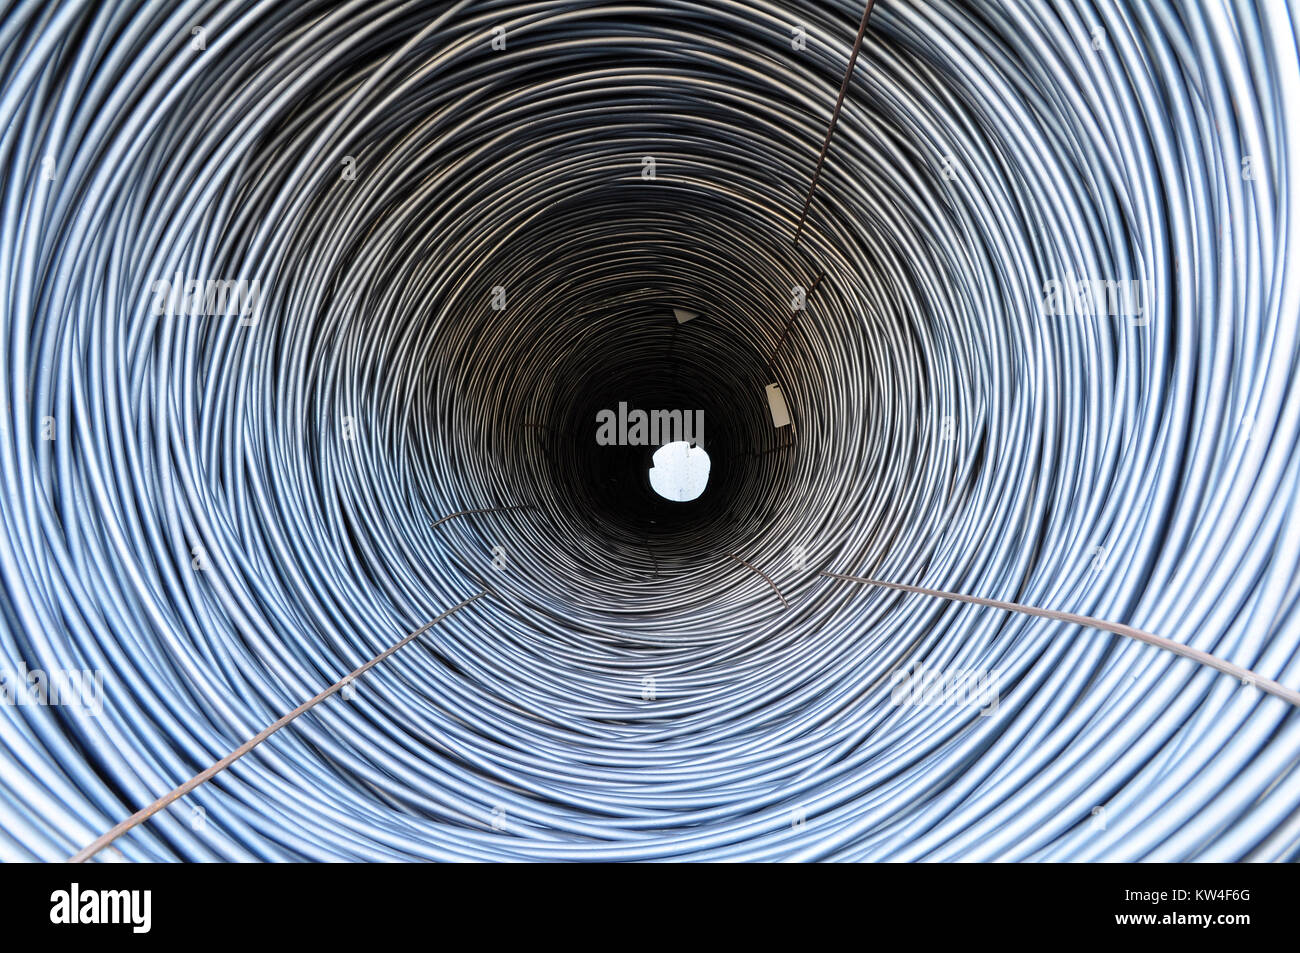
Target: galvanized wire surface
[[232, 515]]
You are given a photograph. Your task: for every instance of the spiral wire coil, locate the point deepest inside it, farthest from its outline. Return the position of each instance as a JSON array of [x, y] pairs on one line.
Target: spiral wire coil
[[469, 224]]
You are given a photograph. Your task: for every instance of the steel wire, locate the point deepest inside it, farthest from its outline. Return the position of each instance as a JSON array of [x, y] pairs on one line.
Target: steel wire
[[233, 514]]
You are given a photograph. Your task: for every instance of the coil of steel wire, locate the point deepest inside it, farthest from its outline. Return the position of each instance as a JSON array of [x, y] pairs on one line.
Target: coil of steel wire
[[462, 230]]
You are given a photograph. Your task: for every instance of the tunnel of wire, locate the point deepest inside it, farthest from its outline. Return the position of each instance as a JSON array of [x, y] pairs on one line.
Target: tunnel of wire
[[453, 234]]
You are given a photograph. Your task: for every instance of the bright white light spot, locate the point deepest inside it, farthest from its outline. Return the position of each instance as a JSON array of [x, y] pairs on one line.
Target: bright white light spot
[[681, 472]]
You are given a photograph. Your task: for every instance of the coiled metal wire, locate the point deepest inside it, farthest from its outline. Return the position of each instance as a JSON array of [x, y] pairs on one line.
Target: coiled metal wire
[[463, 253]]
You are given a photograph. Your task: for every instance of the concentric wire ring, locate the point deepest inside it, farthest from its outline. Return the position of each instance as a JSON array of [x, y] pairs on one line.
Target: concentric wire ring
[[465, 228]]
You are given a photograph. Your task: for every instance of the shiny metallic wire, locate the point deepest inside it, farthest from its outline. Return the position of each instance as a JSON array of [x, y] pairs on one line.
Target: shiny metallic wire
[[633, 690]]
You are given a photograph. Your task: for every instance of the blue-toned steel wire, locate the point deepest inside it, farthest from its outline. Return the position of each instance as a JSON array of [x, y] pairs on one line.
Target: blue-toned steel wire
[[468, 225]]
